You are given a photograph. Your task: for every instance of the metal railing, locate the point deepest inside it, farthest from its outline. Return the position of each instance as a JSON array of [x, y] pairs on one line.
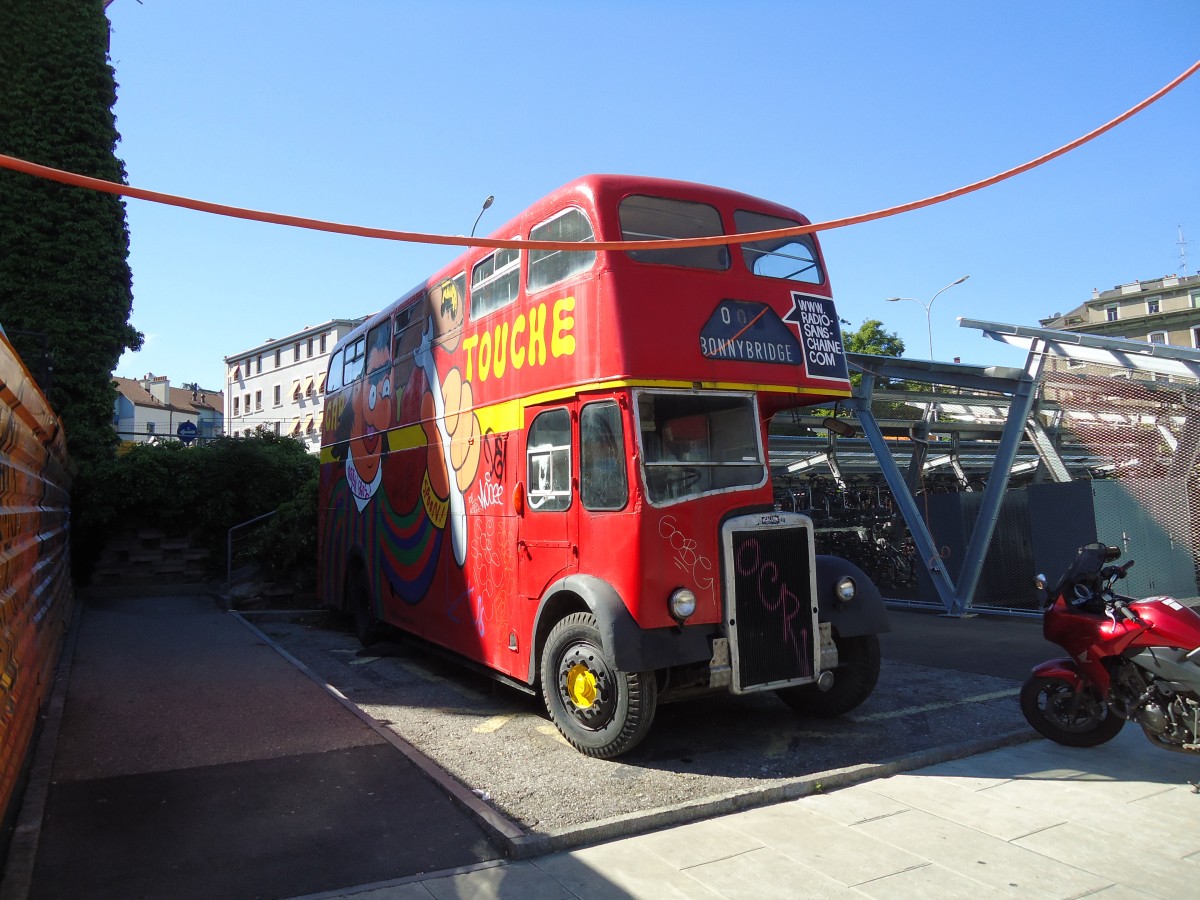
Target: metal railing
[[238, 544]]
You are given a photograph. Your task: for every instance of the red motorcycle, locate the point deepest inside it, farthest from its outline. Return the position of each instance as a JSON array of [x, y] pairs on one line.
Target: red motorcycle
[[1136, 660]]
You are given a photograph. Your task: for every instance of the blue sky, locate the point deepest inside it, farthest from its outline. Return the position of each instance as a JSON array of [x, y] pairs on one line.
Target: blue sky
[[406, 116]]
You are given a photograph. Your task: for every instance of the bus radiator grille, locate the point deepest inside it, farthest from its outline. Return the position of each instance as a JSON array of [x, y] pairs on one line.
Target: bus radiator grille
[[772, 604]]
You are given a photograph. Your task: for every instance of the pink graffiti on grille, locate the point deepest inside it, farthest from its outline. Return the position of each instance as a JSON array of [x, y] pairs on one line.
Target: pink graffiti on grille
[[774, 594]]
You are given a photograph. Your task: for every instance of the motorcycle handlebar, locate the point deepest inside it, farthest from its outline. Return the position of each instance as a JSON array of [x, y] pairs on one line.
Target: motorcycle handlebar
[[1116, 572], [1122, 607]]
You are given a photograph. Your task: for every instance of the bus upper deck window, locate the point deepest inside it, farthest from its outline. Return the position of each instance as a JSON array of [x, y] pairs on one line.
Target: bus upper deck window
[[789, 258], [406, 334], [646, 218], [333, 381], [353, 369], [494, 281], [379, 346], [547, 267]]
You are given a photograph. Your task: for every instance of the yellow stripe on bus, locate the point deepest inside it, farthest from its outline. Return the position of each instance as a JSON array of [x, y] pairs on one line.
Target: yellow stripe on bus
[[509, 415]]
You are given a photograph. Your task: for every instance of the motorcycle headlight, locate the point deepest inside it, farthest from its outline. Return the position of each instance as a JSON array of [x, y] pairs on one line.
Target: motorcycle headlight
[[844, 589], [682, 604]]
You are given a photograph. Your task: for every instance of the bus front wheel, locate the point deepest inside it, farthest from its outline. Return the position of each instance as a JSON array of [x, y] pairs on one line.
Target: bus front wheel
[[853, 680], [602, 712]]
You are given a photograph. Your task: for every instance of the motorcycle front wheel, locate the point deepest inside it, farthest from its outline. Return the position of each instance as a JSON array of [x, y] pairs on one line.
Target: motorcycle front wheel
[[1069, 717]]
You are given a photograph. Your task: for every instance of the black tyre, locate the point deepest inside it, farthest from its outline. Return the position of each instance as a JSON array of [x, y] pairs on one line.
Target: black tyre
[[600, 711], [853, 680], [1069, 717], [367, 628]]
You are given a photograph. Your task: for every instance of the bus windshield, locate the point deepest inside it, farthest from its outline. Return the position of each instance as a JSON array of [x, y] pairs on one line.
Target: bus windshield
[[694, 444]]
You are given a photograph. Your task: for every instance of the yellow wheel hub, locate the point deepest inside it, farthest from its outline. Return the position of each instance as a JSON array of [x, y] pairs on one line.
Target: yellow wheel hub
[[581, 685]]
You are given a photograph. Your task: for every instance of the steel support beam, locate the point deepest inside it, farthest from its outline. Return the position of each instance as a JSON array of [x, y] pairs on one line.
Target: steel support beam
[[993, 493], [901, 494], [1047, 451], [1187, 446]]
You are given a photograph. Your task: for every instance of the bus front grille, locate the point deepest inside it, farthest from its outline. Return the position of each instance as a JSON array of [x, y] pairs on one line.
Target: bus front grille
[[772, 621]]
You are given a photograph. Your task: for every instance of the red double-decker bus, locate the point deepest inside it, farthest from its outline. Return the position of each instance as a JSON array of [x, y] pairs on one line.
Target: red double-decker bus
[[553, 463]]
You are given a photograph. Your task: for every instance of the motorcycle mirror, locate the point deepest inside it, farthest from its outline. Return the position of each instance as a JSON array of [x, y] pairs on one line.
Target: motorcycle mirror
[[1040, 582], [1112, 553]]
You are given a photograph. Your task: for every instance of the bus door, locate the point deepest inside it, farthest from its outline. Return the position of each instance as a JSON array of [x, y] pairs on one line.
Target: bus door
[[547, 538]]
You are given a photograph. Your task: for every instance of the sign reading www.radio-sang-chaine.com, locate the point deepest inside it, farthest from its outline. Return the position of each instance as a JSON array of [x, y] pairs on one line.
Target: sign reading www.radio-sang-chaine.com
[[820, 335]]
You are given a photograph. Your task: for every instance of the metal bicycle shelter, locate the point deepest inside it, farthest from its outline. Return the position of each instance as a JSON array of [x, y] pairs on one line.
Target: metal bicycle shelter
[[1009, 400]]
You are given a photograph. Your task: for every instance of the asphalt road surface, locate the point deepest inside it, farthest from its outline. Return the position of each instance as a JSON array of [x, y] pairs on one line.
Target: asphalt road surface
[[936, 699]]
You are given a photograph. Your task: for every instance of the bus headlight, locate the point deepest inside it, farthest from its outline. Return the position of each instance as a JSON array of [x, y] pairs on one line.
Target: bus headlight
[[682, 604], [844, 589]]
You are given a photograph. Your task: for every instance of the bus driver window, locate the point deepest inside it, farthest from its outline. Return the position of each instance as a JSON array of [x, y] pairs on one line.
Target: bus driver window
[[603, 483]]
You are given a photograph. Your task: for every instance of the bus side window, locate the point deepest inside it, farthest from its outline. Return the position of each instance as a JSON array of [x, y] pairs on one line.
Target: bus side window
[[603, 482], [548, 462], [400, 326], [333, 381], [379, 347], [548, 267], [355, 357], [444, 304], [406, 337], [494, 281]]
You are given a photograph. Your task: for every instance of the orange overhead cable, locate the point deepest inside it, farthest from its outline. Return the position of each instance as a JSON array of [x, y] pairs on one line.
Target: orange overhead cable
[[416, 237]]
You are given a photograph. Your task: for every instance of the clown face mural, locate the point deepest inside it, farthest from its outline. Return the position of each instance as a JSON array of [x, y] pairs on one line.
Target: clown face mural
[[373, 412]]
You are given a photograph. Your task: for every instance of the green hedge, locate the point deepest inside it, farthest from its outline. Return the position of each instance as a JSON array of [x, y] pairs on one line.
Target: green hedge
[[202, 492]]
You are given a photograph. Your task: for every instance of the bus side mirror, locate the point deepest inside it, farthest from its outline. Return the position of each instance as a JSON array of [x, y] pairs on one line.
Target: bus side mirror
[[519, 498]]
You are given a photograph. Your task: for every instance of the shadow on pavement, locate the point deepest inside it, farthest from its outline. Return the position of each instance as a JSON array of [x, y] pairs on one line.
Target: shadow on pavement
[[194, 761]]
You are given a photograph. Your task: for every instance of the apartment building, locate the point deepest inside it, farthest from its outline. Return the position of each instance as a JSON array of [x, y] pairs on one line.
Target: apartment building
[[280, 384], [1159, 311]]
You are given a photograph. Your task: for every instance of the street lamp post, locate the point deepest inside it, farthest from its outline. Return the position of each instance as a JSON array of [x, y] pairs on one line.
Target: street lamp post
[[928, 306]]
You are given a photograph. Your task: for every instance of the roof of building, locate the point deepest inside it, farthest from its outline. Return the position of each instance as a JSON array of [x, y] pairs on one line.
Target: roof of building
[[1168, 284], [181, 398], [306, 332], [204, 400]]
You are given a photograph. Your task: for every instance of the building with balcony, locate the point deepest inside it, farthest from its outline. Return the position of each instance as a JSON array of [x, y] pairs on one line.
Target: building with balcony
[[280, 384]]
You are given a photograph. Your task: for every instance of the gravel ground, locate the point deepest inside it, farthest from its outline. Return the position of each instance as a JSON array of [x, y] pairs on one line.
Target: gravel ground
[[501, 744]]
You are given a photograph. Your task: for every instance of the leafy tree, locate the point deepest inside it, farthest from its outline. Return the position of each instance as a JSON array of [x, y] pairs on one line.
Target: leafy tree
[[65, 283], [872, 338]]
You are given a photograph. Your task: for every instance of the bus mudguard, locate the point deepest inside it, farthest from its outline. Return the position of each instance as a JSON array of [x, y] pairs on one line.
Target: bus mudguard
[[865, 614], [631, 647]]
